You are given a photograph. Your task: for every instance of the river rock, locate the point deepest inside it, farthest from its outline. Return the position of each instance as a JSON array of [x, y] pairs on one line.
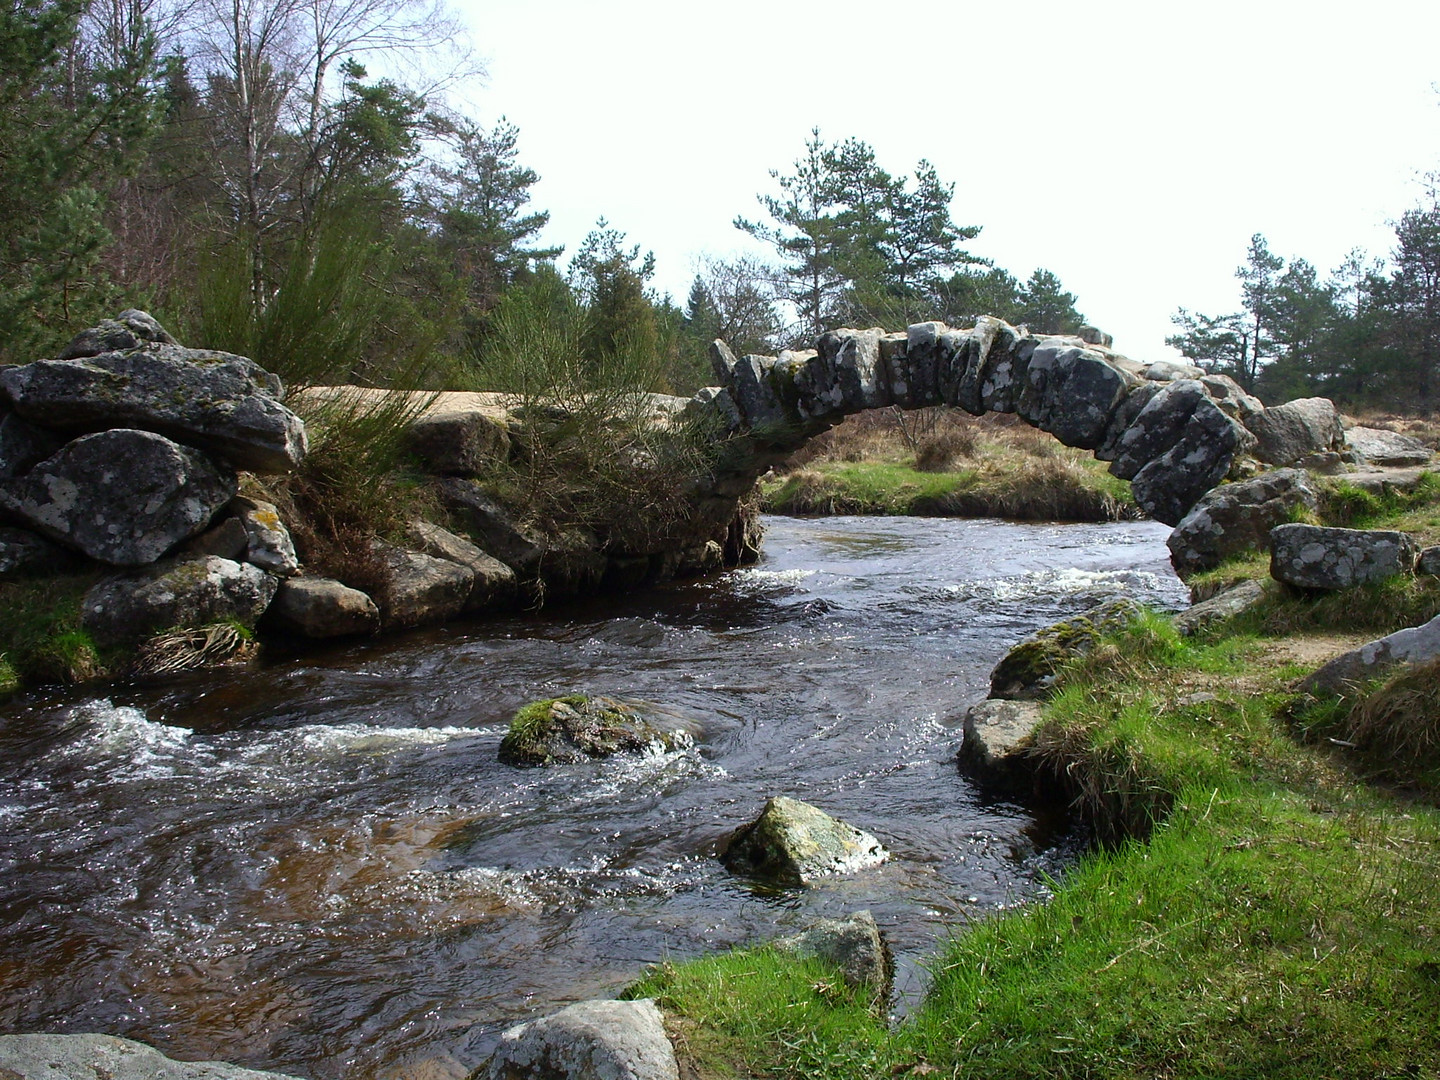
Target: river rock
[[1236, 518], [316, 607], [122, 497], [1236, 600], [188, 592], [22, 444], [1027, 672], [792, 842], [1317, 557], [458, 443], [492, 526], [854, 944], [215, 401], [494, 581], [568, 730], [267, 540], [416, 589], [997, 741], [592, 1040], [106, 1057], [1171, 484], [1296, 429], [1071, 393], [1387, 449], [25, 554], [1413, 645], [128, 330]]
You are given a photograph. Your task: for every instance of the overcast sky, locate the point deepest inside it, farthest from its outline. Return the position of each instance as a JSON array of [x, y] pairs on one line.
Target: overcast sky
[[1132, 148]]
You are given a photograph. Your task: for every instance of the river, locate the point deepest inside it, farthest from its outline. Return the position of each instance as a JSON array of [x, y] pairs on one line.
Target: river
[[317, 865]]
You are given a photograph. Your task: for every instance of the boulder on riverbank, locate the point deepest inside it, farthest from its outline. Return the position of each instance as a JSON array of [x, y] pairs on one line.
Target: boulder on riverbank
[[568, 730], [127, 608], [1413, 645], [1317, 557], [106, 1057], [792, 842], [1236, 518], [592, 1040], [996, 746], [317, 607], [1027, 672], [853, 944]]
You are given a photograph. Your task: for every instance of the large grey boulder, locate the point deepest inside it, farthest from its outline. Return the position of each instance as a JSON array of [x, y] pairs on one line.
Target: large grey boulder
[[267, 540], [1236, 518], [460, 443], [1413, 645], [1236, 600], [997, 741], [1296, 429], [122, 497], [416, 589], [316, 607], [496, 531], [127, 608], [128, 330], [1027, 672], [1387, 449], [22, 444], [593, 1040], [575, 728], [1171, 484], [1317, 557], [25, 554], [225, 404], [851, 363], [853, 944], [494, 582], [792, 842], [1157, 427], [1071, 393], [106, 1057]]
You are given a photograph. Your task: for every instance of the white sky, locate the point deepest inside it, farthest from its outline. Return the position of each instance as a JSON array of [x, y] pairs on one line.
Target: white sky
[[1132, 148]]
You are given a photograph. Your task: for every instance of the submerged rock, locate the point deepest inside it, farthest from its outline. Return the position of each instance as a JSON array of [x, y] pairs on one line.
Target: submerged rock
[[592, 1040], [122, 497], [568, 730], [792, 842], [1027, 672], [106, 1057], [1317, 557], [854, 944]]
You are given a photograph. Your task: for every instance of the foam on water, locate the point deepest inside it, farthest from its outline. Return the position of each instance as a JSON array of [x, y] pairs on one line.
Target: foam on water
[[128, 743]]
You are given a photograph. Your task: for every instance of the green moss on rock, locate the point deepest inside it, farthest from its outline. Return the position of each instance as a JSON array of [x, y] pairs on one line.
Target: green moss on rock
[[1028, 670], [576, 727]]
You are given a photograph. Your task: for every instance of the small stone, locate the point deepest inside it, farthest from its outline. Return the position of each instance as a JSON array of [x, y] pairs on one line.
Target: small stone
[[1236, 600], [227, 540], [854, 944], [998, 737], [267, 541], [792, 842], [1428, 562]]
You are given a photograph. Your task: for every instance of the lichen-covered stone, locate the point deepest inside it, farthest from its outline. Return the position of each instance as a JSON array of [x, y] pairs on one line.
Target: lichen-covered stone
[[1388, 449], [122, 497], [1174, 482], [267, 540], [128, 608], [225, 404], [24, 554], [1317, 557], [1226, 604], [1157, 427], [575, 728], [792, 842], [494, 582], [1413, 645], [591, 1040], [853, 944], [1027, 672], [128, 330], [1236, 518], [416, 589], [1286, 433], [1071, 393], [107, 1057]]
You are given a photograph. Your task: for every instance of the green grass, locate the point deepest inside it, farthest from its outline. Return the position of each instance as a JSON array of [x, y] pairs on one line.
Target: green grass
[[1046, 489], [41, 639], [1258, 910]]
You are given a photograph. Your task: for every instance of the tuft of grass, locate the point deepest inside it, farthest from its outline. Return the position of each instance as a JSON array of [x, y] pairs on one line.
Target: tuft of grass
[[1347, 506], [1380, 607], [41, 637]]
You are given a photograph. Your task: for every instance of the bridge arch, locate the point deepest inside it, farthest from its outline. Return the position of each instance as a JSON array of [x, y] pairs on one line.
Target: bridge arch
[[1170, 429]]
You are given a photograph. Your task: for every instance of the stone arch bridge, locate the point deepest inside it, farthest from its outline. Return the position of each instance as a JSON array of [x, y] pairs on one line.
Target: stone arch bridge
[[1170, 429]]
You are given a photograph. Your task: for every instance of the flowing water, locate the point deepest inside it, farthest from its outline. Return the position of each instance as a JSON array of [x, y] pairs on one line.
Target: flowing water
[[318, 866]]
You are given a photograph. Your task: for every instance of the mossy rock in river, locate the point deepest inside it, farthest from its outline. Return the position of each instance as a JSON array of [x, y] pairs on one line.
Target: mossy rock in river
[[1027, 672], [574, 728]]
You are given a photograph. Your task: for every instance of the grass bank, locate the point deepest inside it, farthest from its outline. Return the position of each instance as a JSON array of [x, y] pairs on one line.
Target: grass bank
[[945, 463], [1265, 903]]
